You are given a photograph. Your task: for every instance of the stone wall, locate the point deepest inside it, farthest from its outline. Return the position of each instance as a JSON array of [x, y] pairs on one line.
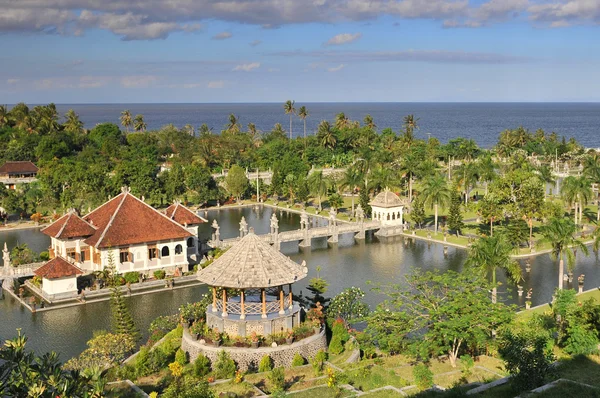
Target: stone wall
[[246, 358]]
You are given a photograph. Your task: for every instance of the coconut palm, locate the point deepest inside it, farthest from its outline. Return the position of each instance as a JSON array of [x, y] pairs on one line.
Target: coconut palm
[[72, 122], [138, 123], [369, 122], [591, 169], [410, 165], [576, 191], [3, 115], [488, 254], [126, 120], [410, 125], [467, 176], [487, 170], [325, 135], [289, 109], [303, 114], [234, 125], [436, 193], [351, 179], [341, 121], [318, 184], [545, 173], [560, 234], [188, 128]]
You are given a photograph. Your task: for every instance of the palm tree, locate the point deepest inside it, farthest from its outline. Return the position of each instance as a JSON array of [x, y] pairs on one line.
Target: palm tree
[[369, 122], [560, 234], [325, 135], [289, 109], [436, 193], [318, 185], [467, 176], [576, 191], [351, 179], [591, 169], [126, 120], [3, 115], [545, 173], [410, 125], [291, 182], [138, 123], [302, 114], [487, 170], [188, 128], [72, 122], [410, 166], [234, 125], [341, 121], [491, 253]]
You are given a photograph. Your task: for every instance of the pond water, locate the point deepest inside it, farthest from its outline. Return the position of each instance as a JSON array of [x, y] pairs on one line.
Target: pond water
[[348, 263]]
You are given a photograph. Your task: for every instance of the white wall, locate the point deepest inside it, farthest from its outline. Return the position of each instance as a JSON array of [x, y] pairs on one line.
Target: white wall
[[61, 285]]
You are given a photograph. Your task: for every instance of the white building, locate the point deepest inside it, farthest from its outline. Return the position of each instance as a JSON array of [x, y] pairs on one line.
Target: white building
[[139, 237], [59, 278], [387, 208]]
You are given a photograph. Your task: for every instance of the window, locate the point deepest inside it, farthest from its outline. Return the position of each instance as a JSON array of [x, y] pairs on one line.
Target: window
[[190, 242], [165, 251], [124, 256], [151, 253], [178, 249], [82, 256], [71, 253]]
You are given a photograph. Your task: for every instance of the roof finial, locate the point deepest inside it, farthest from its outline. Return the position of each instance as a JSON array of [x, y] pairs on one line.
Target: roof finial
[[125, 189]]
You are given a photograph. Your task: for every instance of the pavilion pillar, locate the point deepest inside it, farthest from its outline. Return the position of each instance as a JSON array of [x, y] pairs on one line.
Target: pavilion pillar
[[281, 303], [290, 293], [224, 314], [264, 302], [242, 305], [214, 304]]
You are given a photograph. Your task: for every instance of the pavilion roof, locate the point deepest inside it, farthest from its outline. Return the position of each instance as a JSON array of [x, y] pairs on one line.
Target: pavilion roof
[[56, 268], [183, 215], [252, 263], [387, 199], [16, 167]]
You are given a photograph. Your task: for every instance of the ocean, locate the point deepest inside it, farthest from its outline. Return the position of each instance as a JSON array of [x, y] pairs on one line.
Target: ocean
[[482, 122]]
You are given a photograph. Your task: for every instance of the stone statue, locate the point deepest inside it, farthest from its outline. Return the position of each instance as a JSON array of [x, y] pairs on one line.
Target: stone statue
[[359, 213], [243, 227], [6, 256]]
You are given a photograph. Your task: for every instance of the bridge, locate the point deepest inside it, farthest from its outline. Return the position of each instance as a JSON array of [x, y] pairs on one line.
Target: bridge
[[267, 176], [305, 234]]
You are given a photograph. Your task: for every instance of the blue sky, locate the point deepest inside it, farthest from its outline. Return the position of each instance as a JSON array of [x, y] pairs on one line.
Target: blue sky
[[92, 51]]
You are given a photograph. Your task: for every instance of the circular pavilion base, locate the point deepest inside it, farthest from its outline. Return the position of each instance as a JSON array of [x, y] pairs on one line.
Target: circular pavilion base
[[249, 358], [234, 325]]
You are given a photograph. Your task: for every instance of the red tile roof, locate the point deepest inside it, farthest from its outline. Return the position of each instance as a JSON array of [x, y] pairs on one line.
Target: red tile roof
[[18, 167], [183, 215], [125, 220], [56, 268], [69, 226]]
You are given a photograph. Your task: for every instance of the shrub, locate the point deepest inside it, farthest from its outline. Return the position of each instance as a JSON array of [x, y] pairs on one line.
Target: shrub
[[157, 360], [339, 329], [188, 388], [298, 360], [192, 312], [581, 340], [105, 350], [224, 367], [423, 376], [302, 331], [161, 326], [181, 357], [318, 362], [201, 366], [466, 364], [44, 256], [142, 362], [160, 274], [266, 364], [277, 378], [336, 346], [132, 277]]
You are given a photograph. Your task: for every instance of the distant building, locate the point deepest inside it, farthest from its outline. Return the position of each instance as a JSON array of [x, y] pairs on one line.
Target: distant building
[[139, 237], [13, 173], [59, 278], [388, 208]]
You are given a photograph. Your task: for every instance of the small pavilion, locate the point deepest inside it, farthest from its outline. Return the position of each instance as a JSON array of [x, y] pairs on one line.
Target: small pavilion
[[59, 278], [249, 283], [388, 208]]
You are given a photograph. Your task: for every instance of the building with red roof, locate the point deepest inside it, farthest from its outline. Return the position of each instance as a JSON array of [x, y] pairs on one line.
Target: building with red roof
[[137, 236], [190, 220], [59, 278]]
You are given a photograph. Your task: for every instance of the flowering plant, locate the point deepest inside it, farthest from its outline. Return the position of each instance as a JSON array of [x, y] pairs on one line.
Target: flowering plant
[[255, 338]]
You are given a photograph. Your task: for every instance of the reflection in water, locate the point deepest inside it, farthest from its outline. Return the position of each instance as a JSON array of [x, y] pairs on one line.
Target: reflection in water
[[349, 263]]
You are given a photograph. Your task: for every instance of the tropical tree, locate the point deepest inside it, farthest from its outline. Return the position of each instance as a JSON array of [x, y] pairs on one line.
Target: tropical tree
[[138, 123], [369, 122], [348, 306], [576, 191], [341, 121], [303, 114], [233, 127], [591, 169], [410, 125], [291, 185], [351, 179], [72, 123], [326, 136], [289, 109], [126, 120], [318, 184], [122, 321], [436, 193], [467, 177], [4, 115], [487, 170], [545, 174], [489, 254], [560, 234], [236, 181]]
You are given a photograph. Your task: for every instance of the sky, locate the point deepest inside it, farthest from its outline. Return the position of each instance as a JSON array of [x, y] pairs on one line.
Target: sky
[[122, 51]]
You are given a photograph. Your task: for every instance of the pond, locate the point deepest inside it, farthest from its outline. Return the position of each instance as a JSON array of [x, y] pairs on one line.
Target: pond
[[348, 263]]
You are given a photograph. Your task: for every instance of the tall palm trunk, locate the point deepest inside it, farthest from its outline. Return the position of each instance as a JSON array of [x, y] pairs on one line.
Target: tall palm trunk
[[290, 126], [494, 289], [435, 218], [530, 234], [410, 189], [580, 212], [575, 213], [305, 130], [561, 271], [491, 226]]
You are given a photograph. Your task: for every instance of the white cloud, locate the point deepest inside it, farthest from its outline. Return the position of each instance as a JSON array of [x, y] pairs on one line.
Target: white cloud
[[12, 81], [247, 67], [138, 81], [216, 84], [336, 68], [222, 36], [343, 38]]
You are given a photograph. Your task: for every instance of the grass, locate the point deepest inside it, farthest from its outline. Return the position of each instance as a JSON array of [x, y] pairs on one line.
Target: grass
[[564, 389], [241, 390], [322, 392], [121, 390], [524, 316], [383, 394]]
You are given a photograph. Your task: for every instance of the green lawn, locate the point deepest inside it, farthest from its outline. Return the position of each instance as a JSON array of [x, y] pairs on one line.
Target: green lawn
[[527, 314]]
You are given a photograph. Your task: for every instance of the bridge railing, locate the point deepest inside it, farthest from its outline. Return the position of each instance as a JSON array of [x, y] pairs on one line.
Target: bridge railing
[[20, 270]]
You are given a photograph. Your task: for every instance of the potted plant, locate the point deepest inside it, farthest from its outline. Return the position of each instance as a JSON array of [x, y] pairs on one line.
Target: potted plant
[[289, 337], [254, 340], [315, 317], [215, 337], [197, 329]]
